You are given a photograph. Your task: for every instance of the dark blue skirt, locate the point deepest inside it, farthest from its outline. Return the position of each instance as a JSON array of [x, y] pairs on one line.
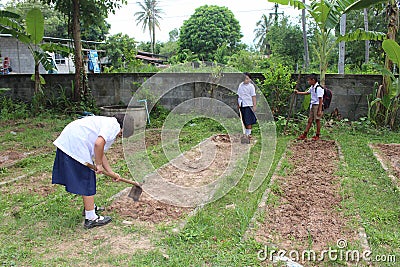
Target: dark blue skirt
[[76, 177], [248, 116]]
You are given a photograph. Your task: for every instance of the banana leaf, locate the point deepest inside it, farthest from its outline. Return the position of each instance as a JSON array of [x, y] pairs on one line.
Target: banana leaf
[[361, 35], [43, 58], [59, 48], [35, 25], [392, 50], [361, 4]]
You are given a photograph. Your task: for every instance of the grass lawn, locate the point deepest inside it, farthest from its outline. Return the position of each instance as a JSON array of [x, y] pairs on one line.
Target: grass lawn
[[42, 224]]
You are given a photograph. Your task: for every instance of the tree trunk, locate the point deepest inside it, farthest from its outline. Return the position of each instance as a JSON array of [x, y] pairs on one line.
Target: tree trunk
[[323, 65], [154, 37], [366, 26], [76, 33], [37, 77], [303, 23], [151, 37], [342, 45]]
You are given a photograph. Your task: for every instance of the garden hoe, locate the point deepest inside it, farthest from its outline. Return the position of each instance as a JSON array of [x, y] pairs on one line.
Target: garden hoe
[[243, 139], [136, 190]]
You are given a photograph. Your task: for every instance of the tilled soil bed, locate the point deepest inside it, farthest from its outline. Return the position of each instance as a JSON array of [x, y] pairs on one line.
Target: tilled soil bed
[[195, 169], [302, 208], [391, 154]]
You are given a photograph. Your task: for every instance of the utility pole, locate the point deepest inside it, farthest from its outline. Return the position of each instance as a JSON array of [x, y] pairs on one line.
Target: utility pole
[[342, 45], [276, 13]]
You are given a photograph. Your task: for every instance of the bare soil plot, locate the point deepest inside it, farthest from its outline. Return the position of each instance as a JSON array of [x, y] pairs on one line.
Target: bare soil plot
[[12, 156], [389, 155], [302, 208], [199, 169], [38, 184], [196, 171]]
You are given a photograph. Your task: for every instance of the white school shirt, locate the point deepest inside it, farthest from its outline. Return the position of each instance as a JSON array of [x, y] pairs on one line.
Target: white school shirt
[[78, 137], [315, 95], [245, 93]]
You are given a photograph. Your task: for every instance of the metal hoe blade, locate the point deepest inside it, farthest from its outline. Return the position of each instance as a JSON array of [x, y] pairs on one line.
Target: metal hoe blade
[[135, 192]]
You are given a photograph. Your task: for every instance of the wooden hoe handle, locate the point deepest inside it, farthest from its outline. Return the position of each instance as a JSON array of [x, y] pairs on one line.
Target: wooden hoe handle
[[112, 175]]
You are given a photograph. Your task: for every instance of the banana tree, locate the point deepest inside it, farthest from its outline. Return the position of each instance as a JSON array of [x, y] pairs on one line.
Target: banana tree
[[35, 30], [392, 10], [326, 14], [392, 50], [387, 105], [390, 93], [32, 36]]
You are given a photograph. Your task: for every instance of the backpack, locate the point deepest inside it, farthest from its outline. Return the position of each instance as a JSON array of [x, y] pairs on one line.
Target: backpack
[[327, 98]]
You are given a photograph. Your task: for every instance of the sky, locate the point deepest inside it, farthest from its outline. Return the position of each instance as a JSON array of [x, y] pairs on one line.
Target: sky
[[175, 12], [247, 12]]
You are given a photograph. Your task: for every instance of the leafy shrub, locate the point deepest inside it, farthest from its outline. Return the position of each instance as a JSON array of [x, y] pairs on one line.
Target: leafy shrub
[[277, 88], [12, 110]]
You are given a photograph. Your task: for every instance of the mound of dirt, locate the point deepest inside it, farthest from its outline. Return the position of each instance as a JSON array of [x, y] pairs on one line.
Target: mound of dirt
[[147, 209], [305, 213]]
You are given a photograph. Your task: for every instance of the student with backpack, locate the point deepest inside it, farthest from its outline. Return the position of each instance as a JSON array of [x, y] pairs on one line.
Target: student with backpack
[[316, 106]]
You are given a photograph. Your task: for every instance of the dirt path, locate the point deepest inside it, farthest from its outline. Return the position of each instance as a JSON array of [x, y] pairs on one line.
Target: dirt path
[[302, 208]]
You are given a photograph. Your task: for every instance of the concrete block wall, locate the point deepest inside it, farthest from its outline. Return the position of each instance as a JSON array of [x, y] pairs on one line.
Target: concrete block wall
[[349, 91]]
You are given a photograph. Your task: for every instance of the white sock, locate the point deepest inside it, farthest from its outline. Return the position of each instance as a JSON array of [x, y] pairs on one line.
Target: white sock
[[90, 215], [248, 131]]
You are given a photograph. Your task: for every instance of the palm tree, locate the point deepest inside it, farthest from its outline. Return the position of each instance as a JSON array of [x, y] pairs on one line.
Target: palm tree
[[148, 17], [263, 26]]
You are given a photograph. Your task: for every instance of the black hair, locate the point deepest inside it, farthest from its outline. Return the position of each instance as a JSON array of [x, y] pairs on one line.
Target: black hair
[[313, 76], [247, 74], [120, 119], [128, 129]]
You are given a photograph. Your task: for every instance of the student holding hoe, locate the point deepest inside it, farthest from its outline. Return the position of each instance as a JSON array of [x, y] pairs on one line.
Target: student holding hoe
[[82, 141], [316, 106], [247, 103]]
